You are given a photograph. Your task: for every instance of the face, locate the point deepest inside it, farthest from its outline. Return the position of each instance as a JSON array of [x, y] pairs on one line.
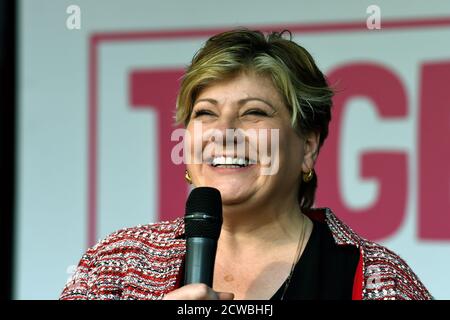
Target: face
[[248, 103]]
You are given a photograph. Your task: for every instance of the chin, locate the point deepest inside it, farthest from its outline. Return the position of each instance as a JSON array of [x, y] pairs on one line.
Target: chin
[[231, 194]]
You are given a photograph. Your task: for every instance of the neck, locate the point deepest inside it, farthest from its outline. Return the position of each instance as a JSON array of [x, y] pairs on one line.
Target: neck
[[258, 226]]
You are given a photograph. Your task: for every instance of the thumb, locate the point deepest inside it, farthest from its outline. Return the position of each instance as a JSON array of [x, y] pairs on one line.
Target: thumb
[[225, 295]]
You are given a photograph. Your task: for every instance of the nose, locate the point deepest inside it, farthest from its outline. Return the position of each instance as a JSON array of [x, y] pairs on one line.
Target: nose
[[227, 125], [228, 119]]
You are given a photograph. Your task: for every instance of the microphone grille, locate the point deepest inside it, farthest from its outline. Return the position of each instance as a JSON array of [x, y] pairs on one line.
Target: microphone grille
[[205, 199], [203, 216]]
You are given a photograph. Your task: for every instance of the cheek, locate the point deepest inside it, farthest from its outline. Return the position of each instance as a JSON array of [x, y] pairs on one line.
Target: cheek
[[193, 145], [194, 169], [291, 146]]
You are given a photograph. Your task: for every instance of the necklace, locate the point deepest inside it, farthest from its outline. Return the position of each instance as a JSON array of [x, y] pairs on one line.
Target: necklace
[[297, 255]]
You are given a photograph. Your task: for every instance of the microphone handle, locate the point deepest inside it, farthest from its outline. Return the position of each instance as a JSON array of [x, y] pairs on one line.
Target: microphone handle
[[200, 258]]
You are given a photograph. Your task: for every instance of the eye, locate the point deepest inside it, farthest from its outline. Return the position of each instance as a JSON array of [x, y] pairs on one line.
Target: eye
[[202, 112], [256, 112]]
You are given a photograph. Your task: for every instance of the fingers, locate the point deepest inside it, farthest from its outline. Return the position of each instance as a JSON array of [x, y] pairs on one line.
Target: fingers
[[197, 291], [225, 295]]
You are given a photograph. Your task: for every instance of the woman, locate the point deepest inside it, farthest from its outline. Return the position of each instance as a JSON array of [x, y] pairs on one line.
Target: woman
[[272, 245]]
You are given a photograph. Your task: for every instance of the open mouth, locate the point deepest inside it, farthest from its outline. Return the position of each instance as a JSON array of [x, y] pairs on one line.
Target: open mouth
[[230, 162]]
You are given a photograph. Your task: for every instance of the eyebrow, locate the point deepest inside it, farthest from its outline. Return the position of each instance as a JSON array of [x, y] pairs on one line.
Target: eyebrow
[[240, 102]]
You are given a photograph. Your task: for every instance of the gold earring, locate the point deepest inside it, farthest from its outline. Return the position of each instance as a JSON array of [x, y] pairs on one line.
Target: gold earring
[[188, 177], [307, 176]]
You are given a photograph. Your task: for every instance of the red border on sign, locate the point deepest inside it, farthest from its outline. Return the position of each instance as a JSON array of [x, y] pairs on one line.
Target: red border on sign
[[98, 38]]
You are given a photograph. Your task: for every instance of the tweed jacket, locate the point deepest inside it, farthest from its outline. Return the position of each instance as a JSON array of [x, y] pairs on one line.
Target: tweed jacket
[[146, 262]]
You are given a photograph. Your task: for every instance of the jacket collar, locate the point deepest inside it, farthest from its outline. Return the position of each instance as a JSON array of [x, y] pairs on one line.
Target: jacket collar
[[342, 233]]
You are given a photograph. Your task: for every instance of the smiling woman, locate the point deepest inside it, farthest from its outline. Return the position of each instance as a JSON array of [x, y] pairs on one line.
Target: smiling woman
[[248, 102], [273, 244], [285, 79]]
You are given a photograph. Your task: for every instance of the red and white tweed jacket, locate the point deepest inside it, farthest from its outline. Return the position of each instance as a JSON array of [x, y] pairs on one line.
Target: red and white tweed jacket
[[145, 262]]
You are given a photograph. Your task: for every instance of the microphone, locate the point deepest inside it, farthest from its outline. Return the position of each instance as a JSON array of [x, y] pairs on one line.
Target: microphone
[[203, 221]]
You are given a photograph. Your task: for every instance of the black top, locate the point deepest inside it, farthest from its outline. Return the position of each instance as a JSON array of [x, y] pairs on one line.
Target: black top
[[325, 270]]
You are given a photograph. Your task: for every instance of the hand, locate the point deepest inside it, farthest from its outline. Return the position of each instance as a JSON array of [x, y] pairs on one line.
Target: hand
[[197, 291]]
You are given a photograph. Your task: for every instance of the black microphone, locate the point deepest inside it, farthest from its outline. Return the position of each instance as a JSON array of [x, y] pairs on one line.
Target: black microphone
[[203, 221]]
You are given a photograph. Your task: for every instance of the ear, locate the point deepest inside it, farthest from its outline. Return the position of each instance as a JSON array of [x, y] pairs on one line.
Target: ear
[[310, 149]]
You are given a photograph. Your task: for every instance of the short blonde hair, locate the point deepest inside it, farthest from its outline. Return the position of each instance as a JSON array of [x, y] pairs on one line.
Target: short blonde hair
[[293, 72]]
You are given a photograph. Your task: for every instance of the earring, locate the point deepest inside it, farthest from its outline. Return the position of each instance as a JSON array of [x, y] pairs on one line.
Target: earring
[[307, 176], [188, 177]]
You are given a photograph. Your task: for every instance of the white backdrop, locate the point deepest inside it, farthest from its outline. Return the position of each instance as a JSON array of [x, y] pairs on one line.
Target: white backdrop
[[55, 104]]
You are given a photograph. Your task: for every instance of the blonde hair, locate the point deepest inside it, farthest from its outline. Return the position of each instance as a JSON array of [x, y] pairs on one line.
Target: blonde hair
[[291, 68]]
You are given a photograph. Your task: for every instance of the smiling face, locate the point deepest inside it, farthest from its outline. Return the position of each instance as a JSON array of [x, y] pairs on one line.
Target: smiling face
[[251, 103]]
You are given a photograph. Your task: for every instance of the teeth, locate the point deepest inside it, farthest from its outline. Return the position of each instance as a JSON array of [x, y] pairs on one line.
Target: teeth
[[230, 166], [229, 162]]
